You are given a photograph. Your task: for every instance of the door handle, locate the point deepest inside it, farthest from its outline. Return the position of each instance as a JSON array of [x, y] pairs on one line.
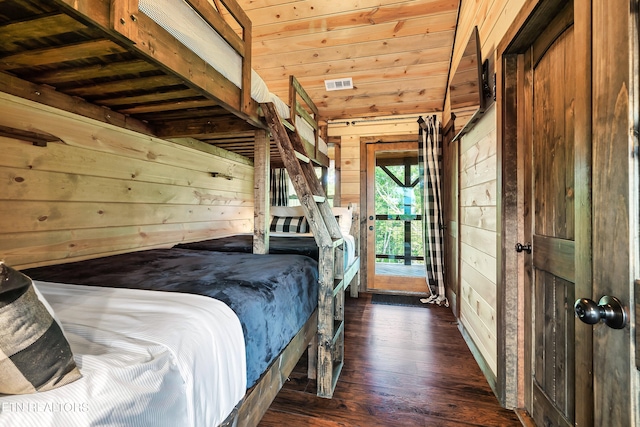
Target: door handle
[[523, 248], [609, 309]]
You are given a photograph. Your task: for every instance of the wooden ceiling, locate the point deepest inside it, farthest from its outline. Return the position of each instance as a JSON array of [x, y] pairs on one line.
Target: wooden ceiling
[[398, 52]]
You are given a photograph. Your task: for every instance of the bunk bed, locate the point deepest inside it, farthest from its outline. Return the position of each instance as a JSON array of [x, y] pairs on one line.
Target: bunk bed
[[112, 61], [119, 62]]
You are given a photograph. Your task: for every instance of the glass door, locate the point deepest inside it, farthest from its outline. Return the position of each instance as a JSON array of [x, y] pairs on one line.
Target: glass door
[[395, 246]]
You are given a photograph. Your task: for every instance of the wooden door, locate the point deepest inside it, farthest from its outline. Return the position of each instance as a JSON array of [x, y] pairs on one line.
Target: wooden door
[[570, 85], [393, 219], [552, 226], [579, 374]]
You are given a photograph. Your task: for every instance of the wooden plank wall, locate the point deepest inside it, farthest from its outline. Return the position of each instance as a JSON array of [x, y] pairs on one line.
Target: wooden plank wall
[[105, 190], [478, 187], [478, 238], [349, 170]]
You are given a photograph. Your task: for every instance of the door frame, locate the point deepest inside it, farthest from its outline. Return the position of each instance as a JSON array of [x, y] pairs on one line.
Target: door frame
[[365, 199], [514, 306]]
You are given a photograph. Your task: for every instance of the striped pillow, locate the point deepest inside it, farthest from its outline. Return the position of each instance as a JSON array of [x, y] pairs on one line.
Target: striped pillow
[[289, 224], [34, 353]]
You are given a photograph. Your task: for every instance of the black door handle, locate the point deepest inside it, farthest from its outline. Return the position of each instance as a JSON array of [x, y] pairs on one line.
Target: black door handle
[[609, 309], [523, 248]]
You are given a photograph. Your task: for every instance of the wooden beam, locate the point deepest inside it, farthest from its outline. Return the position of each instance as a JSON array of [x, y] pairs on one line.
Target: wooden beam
[[103, 89], [90, 72], [48, 96], [261, 188], [45, 26], [52, 55], [201, 128]]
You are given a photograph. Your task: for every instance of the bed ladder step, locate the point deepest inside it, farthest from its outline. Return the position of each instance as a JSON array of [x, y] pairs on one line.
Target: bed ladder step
[[328, 236]]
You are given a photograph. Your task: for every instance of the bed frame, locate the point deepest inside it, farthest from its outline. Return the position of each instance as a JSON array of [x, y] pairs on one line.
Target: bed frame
[[106, 60]]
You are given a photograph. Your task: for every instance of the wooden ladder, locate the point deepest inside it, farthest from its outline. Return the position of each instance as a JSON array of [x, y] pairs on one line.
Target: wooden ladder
[[326, 231]]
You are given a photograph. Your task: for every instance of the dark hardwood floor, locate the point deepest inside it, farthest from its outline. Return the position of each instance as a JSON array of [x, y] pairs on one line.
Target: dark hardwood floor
[[405, 366]]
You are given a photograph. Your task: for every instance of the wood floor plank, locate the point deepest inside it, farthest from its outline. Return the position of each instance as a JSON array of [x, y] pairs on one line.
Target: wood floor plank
[[404, 366]]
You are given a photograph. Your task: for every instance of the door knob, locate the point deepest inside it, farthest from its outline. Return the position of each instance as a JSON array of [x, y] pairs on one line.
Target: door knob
[[523, 248], [609, 309]]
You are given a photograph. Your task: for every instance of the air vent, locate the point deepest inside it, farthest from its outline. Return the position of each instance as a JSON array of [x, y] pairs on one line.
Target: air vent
[[339, 84]]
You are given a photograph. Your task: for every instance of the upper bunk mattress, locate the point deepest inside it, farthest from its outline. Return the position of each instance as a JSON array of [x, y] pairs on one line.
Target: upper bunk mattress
[[145, 358], [272, 295]]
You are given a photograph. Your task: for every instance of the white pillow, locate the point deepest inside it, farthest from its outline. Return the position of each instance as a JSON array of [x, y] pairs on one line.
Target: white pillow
[[287, 211], [344, 218]]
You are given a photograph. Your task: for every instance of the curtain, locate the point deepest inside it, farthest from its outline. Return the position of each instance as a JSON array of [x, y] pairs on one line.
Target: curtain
[[279, 187], [430, 159]]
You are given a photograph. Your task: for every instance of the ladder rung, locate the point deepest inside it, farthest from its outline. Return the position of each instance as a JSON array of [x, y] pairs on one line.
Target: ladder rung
[[286, 123], [337, 286], [337, 242], [302, 157], [337, 369], [338, 328], [319, 199]]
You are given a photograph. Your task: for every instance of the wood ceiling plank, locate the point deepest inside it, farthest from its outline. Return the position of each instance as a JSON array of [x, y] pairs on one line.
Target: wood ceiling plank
[[103, 89], [203, 128], [388, 74], [152, 97], [168, 106], [66, 75], [406, 89], [46, 26], [378, 110], [53, 55], [439, 44], [429, 24], [340, 13], [388, 67]]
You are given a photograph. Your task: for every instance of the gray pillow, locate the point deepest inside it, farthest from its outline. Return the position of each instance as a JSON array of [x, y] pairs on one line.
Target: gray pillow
[[34, 353]]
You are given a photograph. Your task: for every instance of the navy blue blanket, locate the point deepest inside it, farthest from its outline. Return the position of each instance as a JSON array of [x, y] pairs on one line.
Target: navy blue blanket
[[273, 295], [299, 245]]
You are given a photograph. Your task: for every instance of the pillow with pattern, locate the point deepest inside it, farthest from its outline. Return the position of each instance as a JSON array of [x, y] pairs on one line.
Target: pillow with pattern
[[34, 353], [289, 224]]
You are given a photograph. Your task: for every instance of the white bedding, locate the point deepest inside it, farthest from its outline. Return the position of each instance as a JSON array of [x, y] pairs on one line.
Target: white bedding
[[186, 25], [147, 359]]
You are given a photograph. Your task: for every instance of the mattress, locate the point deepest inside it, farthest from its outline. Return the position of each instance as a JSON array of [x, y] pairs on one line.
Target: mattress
[[147, 358], [284, 243], [272, 295], [187, 26]]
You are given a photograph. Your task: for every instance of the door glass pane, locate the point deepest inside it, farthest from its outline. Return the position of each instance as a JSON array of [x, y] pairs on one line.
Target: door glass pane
[[398, 224]]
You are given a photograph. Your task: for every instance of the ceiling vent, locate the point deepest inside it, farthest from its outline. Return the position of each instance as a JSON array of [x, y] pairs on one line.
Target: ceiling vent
[[339, 84]]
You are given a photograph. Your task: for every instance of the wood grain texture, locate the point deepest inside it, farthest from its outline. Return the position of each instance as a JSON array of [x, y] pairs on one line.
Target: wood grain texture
[[105, 190], [397, 52], [396, 373], [613, 390]]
